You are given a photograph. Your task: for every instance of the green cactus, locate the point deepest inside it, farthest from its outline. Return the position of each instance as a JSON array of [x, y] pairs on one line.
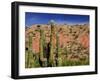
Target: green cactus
[[30, 50], [31, 56], [51, 57], [42, 44], [59, 59], [57, 47]]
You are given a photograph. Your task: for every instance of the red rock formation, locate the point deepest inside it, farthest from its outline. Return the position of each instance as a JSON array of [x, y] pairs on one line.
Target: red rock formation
[[84, 39]]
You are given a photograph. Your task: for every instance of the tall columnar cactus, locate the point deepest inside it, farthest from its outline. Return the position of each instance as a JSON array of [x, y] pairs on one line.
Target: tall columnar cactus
[[51, 57], [59, 59], [41, 55], [57, 45], [30, 50]]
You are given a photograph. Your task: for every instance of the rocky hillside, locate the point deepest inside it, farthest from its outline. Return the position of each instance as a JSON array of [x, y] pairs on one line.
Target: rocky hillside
[[73, 40], [67, 34]]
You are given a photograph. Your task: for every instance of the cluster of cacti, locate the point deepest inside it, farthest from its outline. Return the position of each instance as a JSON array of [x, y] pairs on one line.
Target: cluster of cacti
[[52, 59], [46, 60]]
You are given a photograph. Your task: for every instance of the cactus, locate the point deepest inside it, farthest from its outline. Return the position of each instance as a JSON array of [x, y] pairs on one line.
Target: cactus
[[41, 55], [59, 59], [30, 50], [51, 57], [32, 60], [57, 48]]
